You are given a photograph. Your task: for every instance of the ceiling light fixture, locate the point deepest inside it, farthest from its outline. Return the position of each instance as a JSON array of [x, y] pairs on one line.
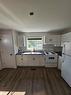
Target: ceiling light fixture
[[31, 13]]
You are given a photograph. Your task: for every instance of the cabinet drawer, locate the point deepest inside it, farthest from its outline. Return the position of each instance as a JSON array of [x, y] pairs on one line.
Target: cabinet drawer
[[19, 60]]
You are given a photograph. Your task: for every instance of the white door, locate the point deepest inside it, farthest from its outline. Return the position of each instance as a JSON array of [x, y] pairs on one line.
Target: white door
[[7, 50]]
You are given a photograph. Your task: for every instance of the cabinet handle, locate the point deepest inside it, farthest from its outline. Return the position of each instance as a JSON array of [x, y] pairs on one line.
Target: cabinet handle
[[10, 54], [21, 58]]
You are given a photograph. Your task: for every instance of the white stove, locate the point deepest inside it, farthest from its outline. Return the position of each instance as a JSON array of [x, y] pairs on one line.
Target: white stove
[[51, 59]]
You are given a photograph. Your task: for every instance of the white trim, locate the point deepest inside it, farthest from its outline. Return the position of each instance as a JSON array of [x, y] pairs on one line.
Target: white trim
[[34, 37]]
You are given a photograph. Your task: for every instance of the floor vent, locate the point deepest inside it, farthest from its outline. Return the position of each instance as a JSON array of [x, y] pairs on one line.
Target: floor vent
[[33, 69]]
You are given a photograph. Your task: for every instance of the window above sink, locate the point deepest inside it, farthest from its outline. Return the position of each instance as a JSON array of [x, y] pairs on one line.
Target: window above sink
[[34, 43]]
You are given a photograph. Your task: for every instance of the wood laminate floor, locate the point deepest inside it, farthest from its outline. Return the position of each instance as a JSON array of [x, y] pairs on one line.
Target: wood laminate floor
[[32, 81]]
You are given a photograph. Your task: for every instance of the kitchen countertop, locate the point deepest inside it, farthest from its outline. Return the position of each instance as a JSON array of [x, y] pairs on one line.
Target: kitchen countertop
[[31, 53], [35, 53]]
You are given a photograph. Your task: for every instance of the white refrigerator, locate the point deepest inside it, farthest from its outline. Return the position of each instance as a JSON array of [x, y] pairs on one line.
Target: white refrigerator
[[66, 65]]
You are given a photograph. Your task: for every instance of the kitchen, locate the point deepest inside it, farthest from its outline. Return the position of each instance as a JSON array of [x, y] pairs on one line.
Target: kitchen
[[35, 47], [23, 39], [18, 47], [11, 56], [51, 53]]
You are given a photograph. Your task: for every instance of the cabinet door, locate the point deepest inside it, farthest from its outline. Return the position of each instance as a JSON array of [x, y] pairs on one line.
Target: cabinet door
[[38, 60], [35, 60], [41, 60], [27, 60], [19, 60]]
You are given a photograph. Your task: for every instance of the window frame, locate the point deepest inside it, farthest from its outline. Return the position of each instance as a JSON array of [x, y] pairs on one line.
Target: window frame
[[31, 38]]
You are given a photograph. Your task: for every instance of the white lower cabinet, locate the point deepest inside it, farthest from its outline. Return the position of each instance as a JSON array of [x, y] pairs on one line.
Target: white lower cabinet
[[30, 60], [19, 60]]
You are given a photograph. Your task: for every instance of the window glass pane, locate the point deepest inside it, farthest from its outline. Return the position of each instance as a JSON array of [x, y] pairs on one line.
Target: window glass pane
[[34, 43]]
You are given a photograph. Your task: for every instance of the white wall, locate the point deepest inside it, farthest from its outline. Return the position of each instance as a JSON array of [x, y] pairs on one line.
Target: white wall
[[56, 39], [20, 39], [15, 41], [66, 37], [66, 43]]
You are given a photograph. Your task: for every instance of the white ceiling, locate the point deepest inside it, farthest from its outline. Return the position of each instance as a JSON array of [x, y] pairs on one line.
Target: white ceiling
[[48, 15]]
